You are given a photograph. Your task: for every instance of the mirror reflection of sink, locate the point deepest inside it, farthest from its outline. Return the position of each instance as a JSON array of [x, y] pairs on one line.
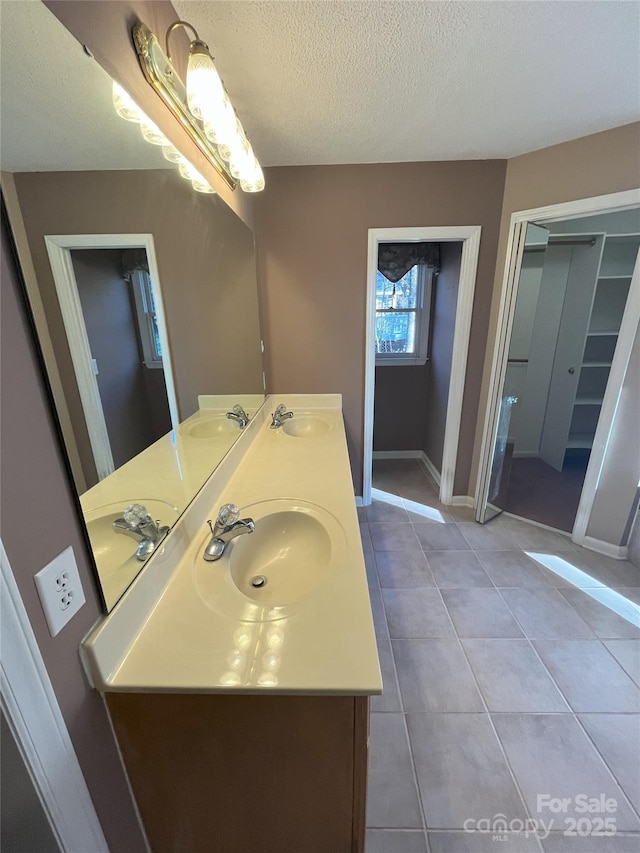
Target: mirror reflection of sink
[[112, 551], [209, 426], [306, 426], [295, 547]]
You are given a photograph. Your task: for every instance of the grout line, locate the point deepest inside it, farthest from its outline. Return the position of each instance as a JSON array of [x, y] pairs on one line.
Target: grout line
[[493, 728], [569, 710], [623, 639], [634, 810]]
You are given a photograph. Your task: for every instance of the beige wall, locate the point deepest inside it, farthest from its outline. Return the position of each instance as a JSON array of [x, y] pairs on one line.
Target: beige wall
[[205, 260], [401, 407], [312, 225], [593, 165], [39, 519], [104, 27]]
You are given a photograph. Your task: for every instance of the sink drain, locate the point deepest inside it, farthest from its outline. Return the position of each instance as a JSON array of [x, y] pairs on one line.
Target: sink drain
[[258, 581]]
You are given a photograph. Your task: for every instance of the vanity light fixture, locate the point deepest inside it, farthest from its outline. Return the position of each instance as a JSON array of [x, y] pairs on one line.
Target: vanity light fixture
[[202, 106], [127, 108]]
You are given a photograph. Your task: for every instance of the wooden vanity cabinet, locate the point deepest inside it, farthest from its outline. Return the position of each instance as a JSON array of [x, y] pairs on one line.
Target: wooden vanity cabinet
[[246, 774]]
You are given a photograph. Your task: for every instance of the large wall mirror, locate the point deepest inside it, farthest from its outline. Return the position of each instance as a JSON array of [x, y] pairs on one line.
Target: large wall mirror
[[143, 293]]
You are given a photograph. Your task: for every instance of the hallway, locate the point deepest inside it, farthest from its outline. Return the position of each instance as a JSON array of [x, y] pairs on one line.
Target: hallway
[[507, 681]]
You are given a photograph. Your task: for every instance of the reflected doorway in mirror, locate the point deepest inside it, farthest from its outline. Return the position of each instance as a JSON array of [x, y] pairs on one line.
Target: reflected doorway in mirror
[[95, 306]]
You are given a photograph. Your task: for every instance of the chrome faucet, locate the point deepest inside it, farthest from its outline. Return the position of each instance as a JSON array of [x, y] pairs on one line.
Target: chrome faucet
[[228, 525], [137, 523], [279, 416], [239, 416]]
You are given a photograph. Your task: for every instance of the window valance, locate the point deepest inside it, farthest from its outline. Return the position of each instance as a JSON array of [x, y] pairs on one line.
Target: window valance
[[396, 259]]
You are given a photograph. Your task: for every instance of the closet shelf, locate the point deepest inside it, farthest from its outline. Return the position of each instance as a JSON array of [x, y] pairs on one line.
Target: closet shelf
[[589, 401], [580, 441], [602, 333], [614, 277], [596, 364]]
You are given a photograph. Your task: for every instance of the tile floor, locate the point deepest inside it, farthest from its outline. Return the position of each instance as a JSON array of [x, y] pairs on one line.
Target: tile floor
[[503, 680]]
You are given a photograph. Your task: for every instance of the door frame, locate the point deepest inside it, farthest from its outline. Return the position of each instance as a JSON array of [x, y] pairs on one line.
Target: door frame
[[59, 248], [41, 734], [578, 209], [469, 236]]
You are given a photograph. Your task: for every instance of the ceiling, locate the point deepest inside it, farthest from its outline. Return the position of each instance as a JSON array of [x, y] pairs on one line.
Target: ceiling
[[57, 113], [325, 81], [356, 82]]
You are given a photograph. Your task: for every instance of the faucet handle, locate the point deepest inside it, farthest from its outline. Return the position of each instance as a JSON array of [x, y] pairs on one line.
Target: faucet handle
[[136, 515], [227, 514]]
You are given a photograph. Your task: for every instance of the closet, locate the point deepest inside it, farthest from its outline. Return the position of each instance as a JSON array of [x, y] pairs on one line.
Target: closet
[[596, 293]]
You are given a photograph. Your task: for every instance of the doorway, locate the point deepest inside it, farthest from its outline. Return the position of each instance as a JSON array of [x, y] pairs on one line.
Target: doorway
[[465, 257], [109, 293], [567, 331]]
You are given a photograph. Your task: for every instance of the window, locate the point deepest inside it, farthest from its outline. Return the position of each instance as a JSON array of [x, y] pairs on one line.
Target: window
[[147, 320], [402, 317]]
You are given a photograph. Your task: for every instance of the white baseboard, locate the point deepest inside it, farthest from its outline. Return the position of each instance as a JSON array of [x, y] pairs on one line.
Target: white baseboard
[[526, 454], [462, 500], [359, 500], [397, 454], [431, 468], [618, 552]]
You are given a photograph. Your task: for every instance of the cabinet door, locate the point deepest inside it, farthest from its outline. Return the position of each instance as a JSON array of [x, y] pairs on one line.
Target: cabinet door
[[572, 334]]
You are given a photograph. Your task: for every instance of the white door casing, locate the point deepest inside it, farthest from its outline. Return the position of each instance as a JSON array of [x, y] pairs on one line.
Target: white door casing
[[629, 327], [59, 249], [38, 726]]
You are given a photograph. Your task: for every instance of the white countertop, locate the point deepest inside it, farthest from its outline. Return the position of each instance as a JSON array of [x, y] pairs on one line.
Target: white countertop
[[203, 635]]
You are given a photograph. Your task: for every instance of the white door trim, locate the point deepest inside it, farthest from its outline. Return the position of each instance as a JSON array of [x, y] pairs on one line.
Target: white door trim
[[59, 248], [469, 235], [519, 220], [36, 721]]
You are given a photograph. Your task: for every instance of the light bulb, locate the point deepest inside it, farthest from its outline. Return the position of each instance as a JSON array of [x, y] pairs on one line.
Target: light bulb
[[190, 173], [241, 162], [205, 92], [203, 186], [253, 181], [221, 128], [172, 154], [125, 106], [236, 145], [152, 132]]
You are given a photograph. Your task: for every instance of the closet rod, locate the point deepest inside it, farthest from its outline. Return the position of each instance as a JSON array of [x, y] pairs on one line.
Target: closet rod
[[590, 241]]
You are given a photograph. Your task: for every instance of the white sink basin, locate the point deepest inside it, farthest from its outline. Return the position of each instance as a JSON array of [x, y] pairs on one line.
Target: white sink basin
[[210, 426], [306, 426], [294, 548]]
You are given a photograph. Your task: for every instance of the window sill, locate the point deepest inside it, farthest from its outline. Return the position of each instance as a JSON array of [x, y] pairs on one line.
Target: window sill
[[152, 364], [401, 362]]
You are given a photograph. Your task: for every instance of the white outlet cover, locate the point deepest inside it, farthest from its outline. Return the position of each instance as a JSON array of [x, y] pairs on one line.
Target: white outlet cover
[[60, 590]]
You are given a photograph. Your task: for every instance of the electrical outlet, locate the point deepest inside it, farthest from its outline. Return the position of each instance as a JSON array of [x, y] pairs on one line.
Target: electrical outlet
[[60, 590]]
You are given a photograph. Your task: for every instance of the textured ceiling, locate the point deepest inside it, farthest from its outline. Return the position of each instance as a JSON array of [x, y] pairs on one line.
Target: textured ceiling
[[56, 110], [342, 82], [357, 82]]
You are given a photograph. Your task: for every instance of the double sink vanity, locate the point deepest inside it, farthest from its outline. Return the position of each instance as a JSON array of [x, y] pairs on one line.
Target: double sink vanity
[[238, 686]]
